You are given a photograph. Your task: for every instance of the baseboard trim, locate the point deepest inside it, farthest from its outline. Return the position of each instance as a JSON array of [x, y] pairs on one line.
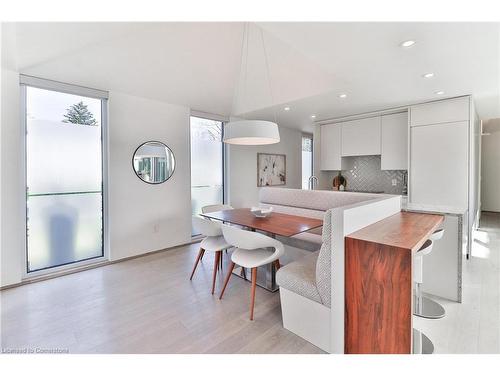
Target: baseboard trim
[[103, 263]]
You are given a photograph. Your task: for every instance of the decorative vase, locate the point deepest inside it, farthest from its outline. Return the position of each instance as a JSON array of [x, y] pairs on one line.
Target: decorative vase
[[338, 181]]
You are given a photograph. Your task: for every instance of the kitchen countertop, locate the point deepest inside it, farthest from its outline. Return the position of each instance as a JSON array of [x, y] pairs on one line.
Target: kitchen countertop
[[427, 208], [404, 230], [378, 282]]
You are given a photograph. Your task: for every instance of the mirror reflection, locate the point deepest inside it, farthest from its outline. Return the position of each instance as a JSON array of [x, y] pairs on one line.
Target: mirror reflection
[[153, 162]]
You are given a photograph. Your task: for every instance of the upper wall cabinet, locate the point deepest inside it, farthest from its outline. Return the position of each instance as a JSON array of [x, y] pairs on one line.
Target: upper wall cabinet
[[361, 137], [451, 110], [394, 142], [330, 147]]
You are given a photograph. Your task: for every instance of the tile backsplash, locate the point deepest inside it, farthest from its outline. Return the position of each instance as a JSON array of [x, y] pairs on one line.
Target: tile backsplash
[[364, 173]]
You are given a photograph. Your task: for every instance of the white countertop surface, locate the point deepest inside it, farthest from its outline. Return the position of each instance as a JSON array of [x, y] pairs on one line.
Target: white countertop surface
[[432, 208]]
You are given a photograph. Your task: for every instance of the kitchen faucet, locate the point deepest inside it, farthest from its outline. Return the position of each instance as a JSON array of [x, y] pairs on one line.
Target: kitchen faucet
[[311, 182]]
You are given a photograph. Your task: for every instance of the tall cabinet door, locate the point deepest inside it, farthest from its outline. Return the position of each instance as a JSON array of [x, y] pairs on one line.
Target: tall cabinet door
[[394, 142], [330, 147], [439, 164]]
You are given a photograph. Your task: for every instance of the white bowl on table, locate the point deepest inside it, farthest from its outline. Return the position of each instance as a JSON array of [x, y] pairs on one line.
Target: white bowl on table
[[261, 212]]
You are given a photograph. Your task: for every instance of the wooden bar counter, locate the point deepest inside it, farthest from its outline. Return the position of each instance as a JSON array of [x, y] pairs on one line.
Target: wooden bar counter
[[378, 282]]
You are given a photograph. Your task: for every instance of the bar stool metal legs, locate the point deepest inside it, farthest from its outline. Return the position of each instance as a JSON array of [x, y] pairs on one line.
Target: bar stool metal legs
[[425, 307], [421, 343]]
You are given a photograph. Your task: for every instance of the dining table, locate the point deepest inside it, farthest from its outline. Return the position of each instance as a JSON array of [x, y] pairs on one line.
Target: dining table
[[275, 224]]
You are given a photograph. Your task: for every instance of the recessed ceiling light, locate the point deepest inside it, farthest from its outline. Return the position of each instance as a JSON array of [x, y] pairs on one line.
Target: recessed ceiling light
[[407, 43], [343, 96], [286, 108], [439, 92], [428, 75]]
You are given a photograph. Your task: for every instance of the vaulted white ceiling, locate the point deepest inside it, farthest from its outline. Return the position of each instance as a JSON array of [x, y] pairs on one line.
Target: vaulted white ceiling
[[198, 64], [377, 73]]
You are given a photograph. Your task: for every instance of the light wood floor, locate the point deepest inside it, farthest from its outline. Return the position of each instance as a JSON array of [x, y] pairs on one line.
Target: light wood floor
[[148, 305], [474, 325]]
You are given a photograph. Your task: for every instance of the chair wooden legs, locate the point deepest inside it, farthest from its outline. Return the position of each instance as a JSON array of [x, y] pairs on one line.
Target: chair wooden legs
[[200, 255], [254, 286], [252, 296], [216, 265], [229, 272]]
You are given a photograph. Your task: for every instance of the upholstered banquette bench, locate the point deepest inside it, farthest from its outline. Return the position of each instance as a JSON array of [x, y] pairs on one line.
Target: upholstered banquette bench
[[305, 284], [309, 203]]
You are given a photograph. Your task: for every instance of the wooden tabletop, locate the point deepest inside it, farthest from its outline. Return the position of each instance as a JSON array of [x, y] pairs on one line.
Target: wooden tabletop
[[405, 230], [277, 223]]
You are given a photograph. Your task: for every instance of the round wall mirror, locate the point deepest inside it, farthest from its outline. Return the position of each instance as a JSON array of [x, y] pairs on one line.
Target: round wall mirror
[[153, 162]]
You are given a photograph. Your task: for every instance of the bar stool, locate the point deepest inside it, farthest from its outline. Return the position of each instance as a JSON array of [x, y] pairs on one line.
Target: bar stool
[[421, 343], [425, 307], [422, 306], [252, 250]]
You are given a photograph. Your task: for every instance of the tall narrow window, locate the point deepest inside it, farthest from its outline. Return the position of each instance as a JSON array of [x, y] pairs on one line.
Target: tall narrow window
[[307, 160], [207, 163], [64, 177]]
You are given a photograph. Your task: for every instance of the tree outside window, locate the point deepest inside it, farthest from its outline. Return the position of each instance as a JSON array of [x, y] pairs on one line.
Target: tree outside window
[[79, 114]]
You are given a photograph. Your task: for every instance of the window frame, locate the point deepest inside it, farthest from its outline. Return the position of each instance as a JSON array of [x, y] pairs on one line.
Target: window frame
[[223, 120], [311, 137], [26, 81]]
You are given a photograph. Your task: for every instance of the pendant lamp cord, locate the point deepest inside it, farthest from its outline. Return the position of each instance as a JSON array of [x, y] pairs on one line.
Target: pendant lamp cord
[[268, 75], [244, 58], [238, 82]]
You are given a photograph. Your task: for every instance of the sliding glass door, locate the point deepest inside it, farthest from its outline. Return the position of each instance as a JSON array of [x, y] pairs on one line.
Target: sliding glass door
[[207, 163], [64, 177]]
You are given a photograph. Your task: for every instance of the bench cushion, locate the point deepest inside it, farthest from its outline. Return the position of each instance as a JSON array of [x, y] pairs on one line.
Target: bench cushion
[[300, 277], [320, 200]]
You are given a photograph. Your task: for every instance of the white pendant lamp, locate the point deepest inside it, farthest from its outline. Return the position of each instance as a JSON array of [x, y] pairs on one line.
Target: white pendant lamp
[[252, 132]]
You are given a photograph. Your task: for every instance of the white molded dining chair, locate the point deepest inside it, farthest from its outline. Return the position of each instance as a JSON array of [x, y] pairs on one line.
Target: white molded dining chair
[[252, 251], [215, 207], [213, 242]]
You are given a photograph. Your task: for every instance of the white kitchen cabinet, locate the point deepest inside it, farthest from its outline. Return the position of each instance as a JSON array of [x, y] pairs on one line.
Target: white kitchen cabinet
[[451, 110], [361, 137], [439, 164], [330, 147], [394, 142]]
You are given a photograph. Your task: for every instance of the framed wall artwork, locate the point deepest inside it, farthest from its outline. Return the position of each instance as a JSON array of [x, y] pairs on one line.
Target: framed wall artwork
[[271, 169]]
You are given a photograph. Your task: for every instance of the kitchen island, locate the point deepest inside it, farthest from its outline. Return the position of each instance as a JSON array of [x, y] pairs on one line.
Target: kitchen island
[[443, 266], [378, 282]]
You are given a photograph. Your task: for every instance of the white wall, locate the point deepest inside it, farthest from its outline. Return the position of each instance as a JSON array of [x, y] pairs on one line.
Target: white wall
[[12, 182], [242, 167], [490, 175], [135, 208]]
